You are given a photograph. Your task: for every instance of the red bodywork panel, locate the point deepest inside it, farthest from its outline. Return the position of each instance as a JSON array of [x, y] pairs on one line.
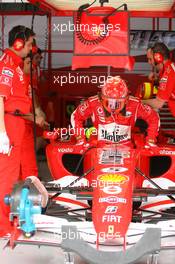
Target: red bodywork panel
[[56, 152]]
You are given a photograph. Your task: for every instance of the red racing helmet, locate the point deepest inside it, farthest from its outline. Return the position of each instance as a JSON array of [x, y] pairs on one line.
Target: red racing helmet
[[114, 94]]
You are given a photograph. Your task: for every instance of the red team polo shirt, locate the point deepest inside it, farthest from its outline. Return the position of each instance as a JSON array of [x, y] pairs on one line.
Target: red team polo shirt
[[13, 85], [166, 89]]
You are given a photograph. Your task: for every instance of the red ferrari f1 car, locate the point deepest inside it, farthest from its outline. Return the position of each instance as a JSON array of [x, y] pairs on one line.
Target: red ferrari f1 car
[[118, 165], [111, 196]]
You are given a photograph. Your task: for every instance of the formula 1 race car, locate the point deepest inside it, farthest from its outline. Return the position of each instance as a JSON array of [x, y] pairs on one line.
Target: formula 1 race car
[[152, 167], [106, 197]]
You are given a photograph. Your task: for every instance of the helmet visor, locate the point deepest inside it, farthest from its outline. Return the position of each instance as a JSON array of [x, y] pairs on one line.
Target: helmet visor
[[112, 104]]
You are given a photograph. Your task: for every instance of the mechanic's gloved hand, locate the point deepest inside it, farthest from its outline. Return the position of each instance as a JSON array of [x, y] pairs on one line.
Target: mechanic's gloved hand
[[150, 143], [4, 143]]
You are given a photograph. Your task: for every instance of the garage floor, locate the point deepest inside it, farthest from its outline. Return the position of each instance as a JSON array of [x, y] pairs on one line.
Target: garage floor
[[26, 254]]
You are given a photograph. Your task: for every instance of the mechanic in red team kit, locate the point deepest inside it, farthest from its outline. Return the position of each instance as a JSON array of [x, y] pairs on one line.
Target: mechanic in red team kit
[[166, 88], [114, 114], [14, 104], [28, 149]]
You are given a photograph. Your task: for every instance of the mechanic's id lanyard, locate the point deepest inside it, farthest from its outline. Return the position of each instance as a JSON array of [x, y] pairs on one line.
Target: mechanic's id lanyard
[[114, 132]]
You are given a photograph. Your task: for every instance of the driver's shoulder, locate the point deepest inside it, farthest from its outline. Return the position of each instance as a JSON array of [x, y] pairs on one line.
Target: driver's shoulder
[[93, 99], [133, 100]]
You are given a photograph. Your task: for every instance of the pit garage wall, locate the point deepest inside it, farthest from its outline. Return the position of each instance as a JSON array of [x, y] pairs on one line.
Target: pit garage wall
[[70, 86]]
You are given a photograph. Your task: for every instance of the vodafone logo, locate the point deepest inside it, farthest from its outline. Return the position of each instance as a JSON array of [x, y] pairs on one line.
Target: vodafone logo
[[167, 152], [65, 150]]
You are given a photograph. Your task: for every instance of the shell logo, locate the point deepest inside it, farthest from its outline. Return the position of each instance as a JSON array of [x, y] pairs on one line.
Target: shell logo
[[114, 178]]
